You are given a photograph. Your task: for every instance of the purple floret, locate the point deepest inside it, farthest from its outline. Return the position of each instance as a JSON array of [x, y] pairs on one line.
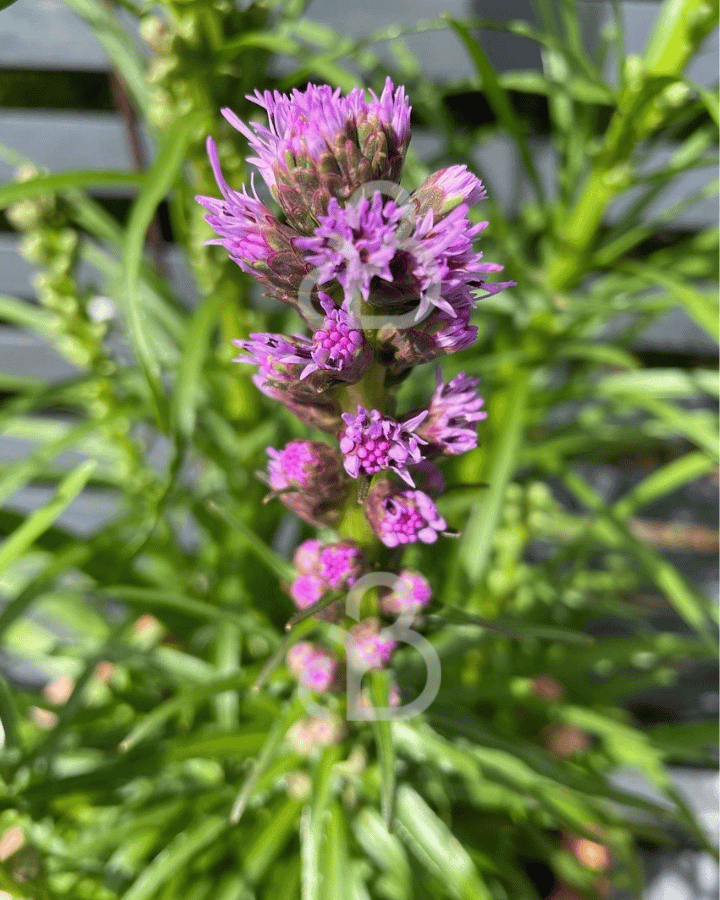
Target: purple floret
[[400, 516], [410, 593], [339, 346], [367, 648], [392, 257], [454, 410], [254, 237], [372, 443]]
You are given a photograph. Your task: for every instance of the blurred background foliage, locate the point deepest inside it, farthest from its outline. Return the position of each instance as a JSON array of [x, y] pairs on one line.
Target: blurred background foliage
[[554, 610]]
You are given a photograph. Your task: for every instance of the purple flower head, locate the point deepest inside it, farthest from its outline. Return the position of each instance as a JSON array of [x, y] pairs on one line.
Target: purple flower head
[[324, 568], [310, 734], [442, 191], [453, 413], [393, 258], [400, 516], [309, 479], [254, 237], [307, 556], [341, 564], [307, 589], [410, 594], [319, 144], [313, 667], [374, 443], [339, 346], [367, 648], [281, 360], [354, 244], [438, 335]]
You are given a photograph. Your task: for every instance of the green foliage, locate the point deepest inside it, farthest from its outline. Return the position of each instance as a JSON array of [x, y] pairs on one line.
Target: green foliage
[[164, 774]]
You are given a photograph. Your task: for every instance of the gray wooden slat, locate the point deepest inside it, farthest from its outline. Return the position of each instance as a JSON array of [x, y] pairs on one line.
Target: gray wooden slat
[[26, 354], [47, 34], [16, 273], [66, 140]]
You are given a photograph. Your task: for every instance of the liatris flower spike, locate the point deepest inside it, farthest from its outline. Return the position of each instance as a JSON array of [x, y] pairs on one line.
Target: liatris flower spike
[[333, 164]]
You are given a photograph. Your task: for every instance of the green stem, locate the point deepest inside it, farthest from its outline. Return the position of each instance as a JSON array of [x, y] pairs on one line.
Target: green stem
[[678, 31]]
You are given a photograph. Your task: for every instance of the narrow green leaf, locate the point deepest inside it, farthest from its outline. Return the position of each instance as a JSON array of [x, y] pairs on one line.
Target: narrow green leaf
[[186, 393], [335, 856], [59, 182], [669, 478], [240, 744], [498, 99], [276, 564], [192, 697], [516, 630], [150, 598], [702, 306], [119, 45], [25, 315], [380, 696], [437, 848], [18, 475], [385, 849], [477, 541], [181, 849], [709, 99], [268, 840], [9, 736], [41, 520], [291, 714], [694, 608], [160, 178]]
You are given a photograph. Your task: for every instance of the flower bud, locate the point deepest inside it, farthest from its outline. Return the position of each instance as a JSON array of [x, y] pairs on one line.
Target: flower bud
[[313, 667], [367, 648], [308, 479], [454, 410], [410, 593], [446, 189], [400, 516]]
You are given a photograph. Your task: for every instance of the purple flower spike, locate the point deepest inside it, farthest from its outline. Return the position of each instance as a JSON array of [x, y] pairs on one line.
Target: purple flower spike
[[410, 594], [339, 347], [319, 144], [367, 648], [399, 516], [453, 413], [373, 443], [254, 238], [313, 667]]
